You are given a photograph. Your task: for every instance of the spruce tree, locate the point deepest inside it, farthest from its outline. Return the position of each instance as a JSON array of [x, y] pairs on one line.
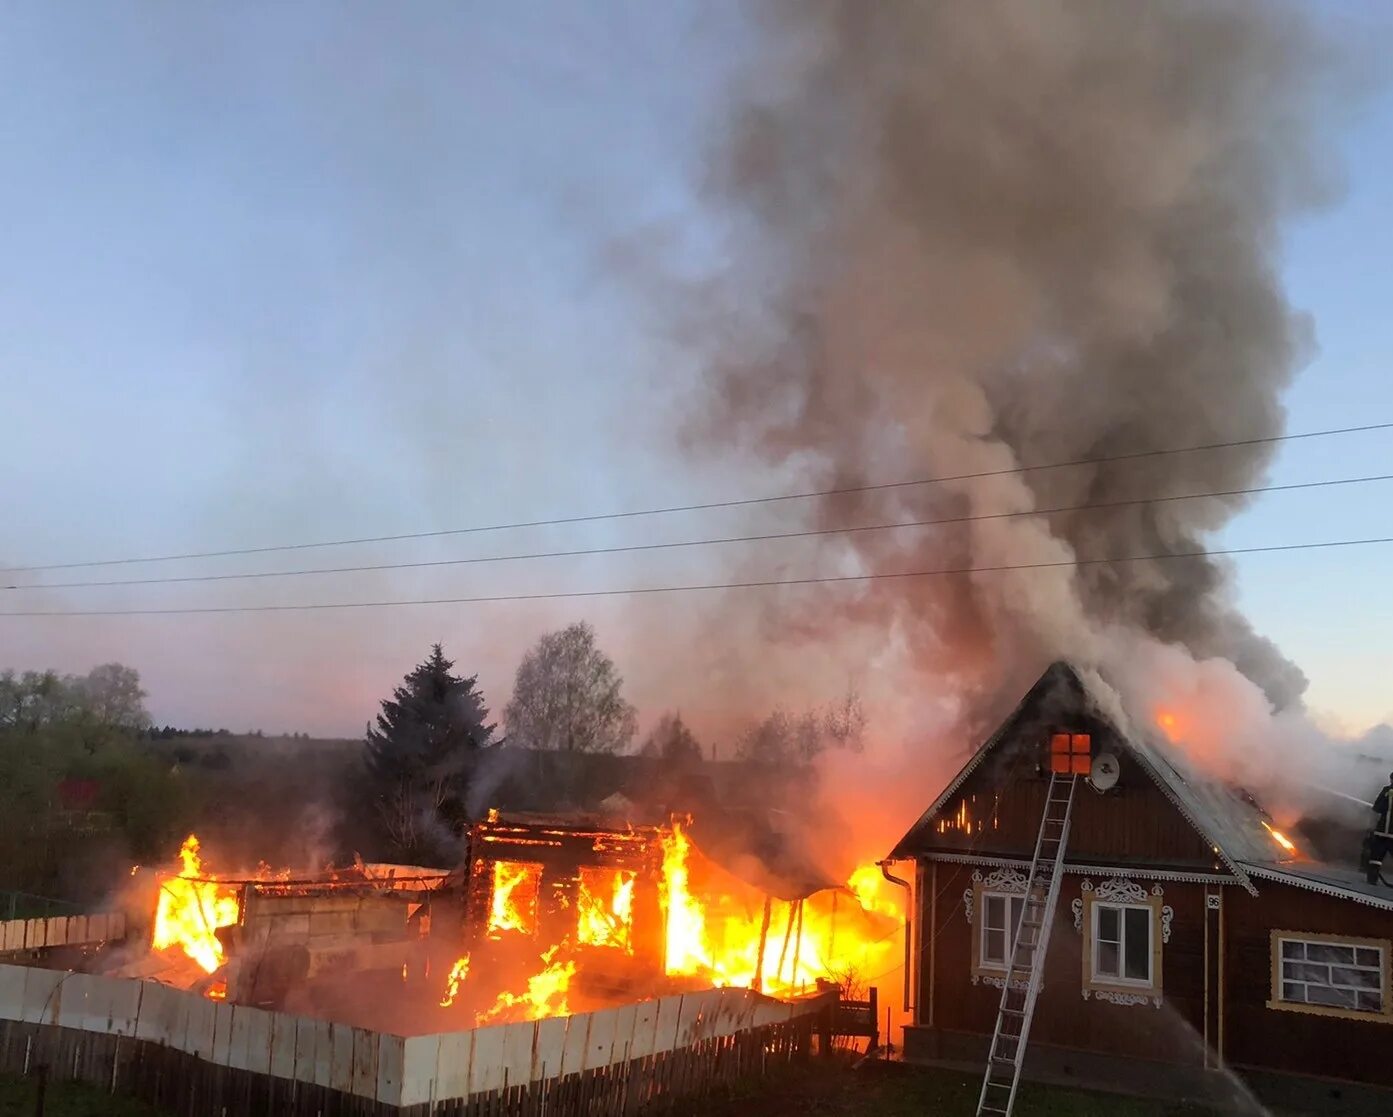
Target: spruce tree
[[420, 754]]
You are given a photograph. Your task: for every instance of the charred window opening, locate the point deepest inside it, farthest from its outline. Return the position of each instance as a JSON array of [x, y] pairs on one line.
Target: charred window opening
[[513, 905]]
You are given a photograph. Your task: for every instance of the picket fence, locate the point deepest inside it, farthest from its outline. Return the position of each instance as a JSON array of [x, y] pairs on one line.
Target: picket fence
[[194, 1056]]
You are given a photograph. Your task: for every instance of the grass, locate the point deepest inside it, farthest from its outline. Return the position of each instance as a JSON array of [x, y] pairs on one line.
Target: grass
[[19, 1096], [896, 1090]]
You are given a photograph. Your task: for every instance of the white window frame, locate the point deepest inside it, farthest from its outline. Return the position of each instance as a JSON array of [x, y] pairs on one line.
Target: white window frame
[[1122, 990], [1385, 954], [1011, 900], [1120, 979]]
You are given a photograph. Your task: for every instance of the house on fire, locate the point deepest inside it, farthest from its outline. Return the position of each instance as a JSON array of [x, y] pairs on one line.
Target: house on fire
[[1189, 935]]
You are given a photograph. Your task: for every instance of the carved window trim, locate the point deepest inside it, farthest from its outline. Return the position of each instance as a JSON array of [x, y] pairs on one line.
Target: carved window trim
[[1384, 946], [1121, 893], [1006, 884]]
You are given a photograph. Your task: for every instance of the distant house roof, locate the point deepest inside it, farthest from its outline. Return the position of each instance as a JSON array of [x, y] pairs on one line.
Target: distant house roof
[[1227, 817]]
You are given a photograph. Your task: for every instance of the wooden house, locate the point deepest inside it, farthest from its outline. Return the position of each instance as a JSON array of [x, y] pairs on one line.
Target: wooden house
[[1190, 935]]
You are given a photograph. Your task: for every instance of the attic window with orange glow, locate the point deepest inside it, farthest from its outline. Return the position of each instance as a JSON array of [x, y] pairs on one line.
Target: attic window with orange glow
[[1071, 753]]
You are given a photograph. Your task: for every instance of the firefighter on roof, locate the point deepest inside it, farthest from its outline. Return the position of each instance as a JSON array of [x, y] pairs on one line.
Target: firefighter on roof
[[1381, 839]]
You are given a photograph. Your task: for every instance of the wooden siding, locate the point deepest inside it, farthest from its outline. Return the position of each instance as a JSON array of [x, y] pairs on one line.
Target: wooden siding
[[1259, 1036], [1255, 1036], [1063, 1017], [998, 809]]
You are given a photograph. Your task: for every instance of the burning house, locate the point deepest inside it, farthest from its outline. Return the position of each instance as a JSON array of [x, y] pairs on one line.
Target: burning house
[[1090, 903]]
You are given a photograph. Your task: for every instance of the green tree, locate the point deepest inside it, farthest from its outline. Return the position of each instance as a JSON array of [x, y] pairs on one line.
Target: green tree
[[420, 754], [567, 697]]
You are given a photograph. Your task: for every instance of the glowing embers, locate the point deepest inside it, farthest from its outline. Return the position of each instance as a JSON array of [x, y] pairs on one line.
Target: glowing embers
[[605, 908], [966, 820], [1071, 753], [190, 910], [1282, 840], [513, 904], [458, 972]]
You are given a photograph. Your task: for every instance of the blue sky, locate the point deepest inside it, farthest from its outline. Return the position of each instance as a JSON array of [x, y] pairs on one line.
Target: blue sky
[[273, 274]]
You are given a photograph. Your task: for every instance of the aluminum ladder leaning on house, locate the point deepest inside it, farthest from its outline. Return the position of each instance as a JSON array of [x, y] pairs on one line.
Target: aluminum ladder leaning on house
[[1026, 970]]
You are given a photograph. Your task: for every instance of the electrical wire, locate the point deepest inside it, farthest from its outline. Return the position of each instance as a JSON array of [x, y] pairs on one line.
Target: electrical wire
[[720, 540], [710, 505], [636, 591]]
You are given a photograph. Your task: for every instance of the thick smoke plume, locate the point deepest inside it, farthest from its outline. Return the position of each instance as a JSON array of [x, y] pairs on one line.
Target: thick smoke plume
[[969, 237]]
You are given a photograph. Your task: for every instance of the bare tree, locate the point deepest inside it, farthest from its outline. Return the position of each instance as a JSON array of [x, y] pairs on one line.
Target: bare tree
[[566, 697]]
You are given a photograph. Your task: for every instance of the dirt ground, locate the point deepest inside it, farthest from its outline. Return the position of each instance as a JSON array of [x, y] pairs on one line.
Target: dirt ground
[[895, 1090]]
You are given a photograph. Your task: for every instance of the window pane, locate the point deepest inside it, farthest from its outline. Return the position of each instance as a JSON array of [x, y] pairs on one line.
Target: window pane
[[1106, 959], [1059, 742], [1081, 742], [1368, 956], [1370, 1002], [1293, 992], [994, 911], [1108, 928], [1291, 948], [1059, 762], [994, 946], [1082, 765], [1325, 995], [1362, 979], [1329, 952], [1137, 943], [1305, 971]]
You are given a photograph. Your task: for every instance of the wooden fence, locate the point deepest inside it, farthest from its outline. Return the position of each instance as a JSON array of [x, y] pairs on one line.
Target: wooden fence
[[195, 1057], [21, 936]]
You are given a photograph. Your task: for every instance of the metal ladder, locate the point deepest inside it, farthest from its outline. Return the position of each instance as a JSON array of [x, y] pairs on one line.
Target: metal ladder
[[1027, 965]]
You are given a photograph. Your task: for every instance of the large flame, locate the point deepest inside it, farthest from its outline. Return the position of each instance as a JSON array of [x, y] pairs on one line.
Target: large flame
[[192, 905], [717, 929], [546, 993], [605, 907], [514, 903]]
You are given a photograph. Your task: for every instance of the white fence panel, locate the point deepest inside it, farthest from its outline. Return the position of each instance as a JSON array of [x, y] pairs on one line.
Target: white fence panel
[[420, 1057], [455, 1065], [518, 1042], [40, 993], [341, 1058], [364, 1081], [284, 1029], [645, 1029], [391, 1064], [551, 1044], [202, 1023], [665, 1035], [573, 1052], [486, 1066], [599, 1041]]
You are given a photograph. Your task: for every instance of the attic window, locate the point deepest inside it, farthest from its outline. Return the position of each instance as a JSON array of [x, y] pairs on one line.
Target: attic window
[[1071, 753]]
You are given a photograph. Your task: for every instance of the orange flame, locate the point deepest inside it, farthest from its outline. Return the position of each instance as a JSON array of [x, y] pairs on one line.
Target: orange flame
[[191, 907], [546, 994], [605, 907], [514, 903], [458, 972], [1282, 840], [830, 935]]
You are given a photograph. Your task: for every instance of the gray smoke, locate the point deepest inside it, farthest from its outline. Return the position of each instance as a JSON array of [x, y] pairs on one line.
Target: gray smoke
[[967, 236]]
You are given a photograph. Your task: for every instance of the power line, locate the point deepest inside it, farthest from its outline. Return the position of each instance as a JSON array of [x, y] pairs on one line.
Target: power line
[[635, 591], [633, 547], [710, 505]]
